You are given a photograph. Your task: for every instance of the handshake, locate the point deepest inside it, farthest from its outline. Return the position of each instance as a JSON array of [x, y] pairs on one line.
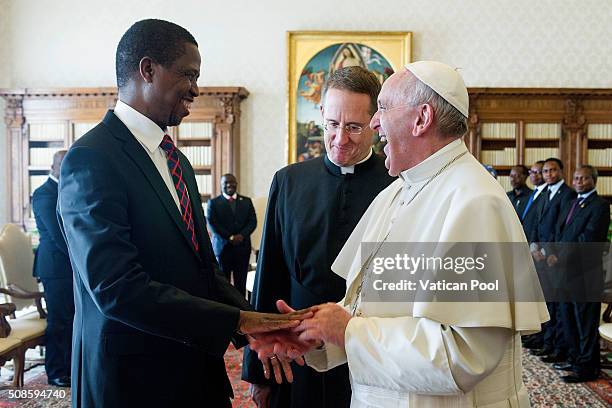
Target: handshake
[[281, 338]]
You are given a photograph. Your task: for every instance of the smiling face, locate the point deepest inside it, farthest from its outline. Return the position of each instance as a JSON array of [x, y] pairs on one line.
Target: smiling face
[[395, 121], [173, 89], [344, 108]]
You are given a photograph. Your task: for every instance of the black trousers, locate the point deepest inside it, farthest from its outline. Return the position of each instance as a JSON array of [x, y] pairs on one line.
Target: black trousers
[[236, 259], [580, 329], [553, 337], [310, 389], [58, 335]]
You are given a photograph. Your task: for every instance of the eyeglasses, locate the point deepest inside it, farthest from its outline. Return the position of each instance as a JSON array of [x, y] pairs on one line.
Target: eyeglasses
[[384, 110], [535, 172], [351, 128]]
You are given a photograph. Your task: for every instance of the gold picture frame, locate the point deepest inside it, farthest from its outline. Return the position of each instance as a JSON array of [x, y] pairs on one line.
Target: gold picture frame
[[312, 55]]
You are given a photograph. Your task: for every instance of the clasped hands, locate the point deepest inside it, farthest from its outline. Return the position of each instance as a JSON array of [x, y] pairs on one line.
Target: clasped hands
[[279, 339]]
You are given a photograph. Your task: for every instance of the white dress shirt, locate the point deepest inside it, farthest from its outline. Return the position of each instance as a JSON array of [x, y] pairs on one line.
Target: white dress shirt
[[554, 188], [150, 136], [538, 190]]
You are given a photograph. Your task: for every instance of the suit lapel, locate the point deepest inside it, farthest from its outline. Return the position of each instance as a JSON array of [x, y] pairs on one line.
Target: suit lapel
[[137, 153]]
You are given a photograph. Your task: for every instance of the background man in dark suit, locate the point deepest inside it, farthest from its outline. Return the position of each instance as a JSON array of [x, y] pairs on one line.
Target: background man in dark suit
[[558, 196], [148, 290], [232, 220], [52, 267], [313, 207], [529, 219], [519, 195], [581, 237]]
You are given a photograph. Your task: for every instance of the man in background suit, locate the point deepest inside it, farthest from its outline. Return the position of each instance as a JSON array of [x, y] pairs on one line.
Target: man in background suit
[[519, 195], [148, 290], [313, 207], [529, 219], [581, 237], [52, 267], [558, 196], [232, 220]]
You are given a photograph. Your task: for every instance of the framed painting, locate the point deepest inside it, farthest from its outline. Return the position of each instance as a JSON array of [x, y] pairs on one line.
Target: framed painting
[[313, 56]]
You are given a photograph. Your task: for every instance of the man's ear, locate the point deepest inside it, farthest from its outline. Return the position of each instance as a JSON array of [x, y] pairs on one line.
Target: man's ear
[[146, 69], [424, 119]]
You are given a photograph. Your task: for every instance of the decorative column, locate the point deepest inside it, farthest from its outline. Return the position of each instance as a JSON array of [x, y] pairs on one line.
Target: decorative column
[[575, 134], [14, 121]]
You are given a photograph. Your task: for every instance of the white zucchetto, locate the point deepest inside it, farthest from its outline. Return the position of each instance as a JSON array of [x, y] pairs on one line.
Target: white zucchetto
[[444, 80]]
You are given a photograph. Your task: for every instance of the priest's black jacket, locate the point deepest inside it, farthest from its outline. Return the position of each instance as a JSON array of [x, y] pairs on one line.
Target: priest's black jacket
[[312, 210]]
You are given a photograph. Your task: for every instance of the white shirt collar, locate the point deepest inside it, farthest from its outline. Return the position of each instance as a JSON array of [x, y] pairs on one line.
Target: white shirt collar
[[52, 177], [232, 196], [541, 187], [555, 187], [350, 169], [144, 129], [428, 167], [584, 196]]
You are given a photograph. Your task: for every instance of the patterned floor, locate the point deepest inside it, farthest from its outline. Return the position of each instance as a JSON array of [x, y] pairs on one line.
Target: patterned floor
[[546, 390]]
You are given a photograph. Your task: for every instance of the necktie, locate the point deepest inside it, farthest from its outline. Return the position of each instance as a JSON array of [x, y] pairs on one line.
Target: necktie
[[570, 214], [177, 177], [531, 197]]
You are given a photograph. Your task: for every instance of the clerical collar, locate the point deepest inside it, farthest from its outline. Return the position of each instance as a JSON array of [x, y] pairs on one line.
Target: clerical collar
[[428, 167], [348, 169], [52, 177]]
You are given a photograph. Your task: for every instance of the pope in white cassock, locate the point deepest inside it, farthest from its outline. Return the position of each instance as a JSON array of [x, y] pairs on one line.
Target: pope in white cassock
[[429, 354]]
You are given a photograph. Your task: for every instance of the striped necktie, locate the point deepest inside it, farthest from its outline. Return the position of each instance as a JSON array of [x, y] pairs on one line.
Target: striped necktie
[[181, 189]]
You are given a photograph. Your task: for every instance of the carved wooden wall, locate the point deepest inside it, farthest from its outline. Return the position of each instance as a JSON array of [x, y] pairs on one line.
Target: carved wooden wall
[[41, 121]]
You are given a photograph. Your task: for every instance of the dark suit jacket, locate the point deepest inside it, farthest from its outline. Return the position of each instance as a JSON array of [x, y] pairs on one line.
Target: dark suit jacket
[[224, 222], [519, 202], [144, 298], [531, 219], [52, 261], [550, 212], [579, 246]]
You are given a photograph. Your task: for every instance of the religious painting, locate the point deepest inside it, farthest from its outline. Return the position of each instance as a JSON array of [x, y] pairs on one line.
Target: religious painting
[[313, 56]]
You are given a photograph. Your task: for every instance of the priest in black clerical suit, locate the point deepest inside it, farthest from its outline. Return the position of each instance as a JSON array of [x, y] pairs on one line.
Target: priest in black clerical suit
[[312, 209], [581, 238]]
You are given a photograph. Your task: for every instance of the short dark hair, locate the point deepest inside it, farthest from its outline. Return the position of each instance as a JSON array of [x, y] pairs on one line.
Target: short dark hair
[[592, 170], [162, 41], [355, 79], [540, 162], [554, 159], [523, 168]]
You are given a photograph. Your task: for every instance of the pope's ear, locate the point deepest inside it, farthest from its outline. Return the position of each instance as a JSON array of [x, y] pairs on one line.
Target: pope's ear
[[424, 119]]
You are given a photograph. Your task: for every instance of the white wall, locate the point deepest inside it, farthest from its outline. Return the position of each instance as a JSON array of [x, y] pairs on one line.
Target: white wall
[[517, 43], [5, 81]]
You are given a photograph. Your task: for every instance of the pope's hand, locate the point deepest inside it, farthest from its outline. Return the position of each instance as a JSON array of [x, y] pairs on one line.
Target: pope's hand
[[327, 325], [254, 322]]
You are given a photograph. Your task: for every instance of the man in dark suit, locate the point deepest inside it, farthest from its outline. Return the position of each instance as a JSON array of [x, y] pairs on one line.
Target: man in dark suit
[[529, 218], [148, 292], [52, 267], [581, 237], [232, 220], [519, 195], [313, 207], [558, 196]]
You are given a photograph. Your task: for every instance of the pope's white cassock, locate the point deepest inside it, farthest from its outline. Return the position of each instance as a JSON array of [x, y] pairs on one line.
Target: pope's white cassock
[[436, 354]]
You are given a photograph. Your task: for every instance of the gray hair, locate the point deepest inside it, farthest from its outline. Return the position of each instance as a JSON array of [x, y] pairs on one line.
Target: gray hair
[[450, 122]]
